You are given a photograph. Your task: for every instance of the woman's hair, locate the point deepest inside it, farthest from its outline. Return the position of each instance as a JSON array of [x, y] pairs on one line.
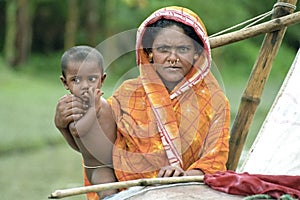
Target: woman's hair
[[153, 29], [80, 54]]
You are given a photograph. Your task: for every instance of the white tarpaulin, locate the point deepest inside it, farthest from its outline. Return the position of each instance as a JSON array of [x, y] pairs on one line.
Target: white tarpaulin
[[276, 149]]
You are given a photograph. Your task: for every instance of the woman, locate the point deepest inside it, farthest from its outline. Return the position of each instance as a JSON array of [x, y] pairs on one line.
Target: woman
[[173, 120]]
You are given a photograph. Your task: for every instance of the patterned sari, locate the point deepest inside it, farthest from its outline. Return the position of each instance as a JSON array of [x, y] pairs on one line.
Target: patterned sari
[[188, 127]]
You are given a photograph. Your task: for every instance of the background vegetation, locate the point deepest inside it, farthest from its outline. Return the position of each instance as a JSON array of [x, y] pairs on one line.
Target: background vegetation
[[34, 159]]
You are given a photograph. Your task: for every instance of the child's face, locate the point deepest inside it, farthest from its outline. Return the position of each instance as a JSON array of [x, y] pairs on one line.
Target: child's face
[[81, 76]]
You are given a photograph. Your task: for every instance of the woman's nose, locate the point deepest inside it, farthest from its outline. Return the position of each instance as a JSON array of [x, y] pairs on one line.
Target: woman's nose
[[173, 55]]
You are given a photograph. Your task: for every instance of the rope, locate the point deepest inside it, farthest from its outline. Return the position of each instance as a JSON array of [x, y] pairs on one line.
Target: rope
[[256, 19], [284, 4], [259, 18]]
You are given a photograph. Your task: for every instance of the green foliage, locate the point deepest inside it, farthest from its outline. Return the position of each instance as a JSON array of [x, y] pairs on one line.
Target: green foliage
[[28, 100], [34, 175], [35, 160], [27, 105]]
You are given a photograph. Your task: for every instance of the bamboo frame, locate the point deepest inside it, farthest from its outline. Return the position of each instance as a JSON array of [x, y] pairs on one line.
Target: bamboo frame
[[252, 94], [124, 184], [266, 27]]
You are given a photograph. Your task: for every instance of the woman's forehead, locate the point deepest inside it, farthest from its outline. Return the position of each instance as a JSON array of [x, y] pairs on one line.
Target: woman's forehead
[[173, 34]]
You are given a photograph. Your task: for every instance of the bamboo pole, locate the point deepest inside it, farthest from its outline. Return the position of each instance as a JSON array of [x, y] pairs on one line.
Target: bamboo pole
[[252, 94], [266, 27], [124, 184]]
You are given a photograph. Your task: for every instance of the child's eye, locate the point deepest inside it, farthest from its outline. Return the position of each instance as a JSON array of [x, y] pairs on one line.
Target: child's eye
[[93, 78], [76, 80]]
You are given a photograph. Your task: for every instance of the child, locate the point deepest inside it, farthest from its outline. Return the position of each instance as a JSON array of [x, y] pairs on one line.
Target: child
[[95, 131]]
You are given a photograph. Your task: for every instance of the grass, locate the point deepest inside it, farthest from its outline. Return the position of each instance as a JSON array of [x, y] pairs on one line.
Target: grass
[[27, 103], [35, 160], [27, 111], [35, 174]]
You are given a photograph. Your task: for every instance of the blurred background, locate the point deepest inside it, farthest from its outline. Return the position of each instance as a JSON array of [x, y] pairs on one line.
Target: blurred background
[[34, 158]]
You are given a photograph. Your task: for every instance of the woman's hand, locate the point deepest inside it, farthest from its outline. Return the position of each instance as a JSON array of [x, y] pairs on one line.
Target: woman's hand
[[194, 172], [69, 108], [173, 171]]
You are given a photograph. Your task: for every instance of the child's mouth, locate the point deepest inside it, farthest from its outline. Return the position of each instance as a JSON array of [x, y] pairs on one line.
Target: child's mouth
[[85, 96]]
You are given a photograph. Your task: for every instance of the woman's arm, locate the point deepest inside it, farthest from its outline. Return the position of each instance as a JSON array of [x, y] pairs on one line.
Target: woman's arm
[[69, 108]]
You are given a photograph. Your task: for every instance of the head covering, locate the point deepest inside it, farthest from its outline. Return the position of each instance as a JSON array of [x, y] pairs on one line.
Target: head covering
[[189, 18], [156, 90]]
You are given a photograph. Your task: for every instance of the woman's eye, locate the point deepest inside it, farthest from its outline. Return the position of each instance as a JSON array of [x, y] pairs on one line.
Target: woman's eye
[[183, 49], [178, 49], [163, 49]]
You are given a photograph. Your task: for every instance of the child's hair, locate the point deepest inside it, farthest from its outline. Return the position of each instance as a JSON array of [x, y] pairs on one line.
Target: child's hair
[[80, 54]]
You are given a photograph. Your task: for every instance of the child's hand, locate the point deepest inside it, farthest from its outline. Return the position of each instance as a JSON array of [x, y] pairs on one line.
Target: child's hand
[[95, 98], [98, 103]]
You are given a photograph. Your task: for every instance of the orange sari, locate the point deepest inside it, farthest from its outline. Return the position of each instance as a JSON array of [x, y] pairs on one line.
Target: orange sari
[[188, 127]]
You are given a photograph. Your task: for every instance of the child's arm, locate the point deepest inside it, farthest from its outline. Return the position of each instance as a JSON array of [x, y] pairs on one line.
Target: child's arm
[[102, 134], [104, 174], [96, 131], [82, 127], [95, 136], [96, 145]]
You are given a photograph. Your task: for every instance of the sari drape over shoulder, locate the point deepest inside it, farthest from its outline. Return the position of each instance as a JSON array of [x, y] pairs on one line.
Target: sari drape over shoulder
[[188, 127]]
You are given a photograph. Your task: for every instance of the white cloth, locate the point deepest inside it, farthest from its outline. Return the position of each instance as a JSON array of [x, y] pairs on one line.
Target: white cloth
[[276, 149]]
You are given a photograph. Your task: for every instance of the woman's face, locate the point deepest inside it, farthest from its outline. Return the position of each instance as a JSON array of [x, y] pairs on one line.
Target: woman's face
[[173, 53]]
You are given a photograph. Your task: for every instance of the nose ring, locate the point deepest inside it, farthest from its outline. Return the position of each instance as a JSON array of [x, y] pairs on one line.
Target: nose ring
[[173, 63]]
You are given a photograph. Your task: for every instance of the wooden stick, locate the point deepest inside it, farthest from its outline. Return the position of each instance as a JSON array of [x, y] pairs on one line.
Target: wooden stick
[[254, 89], [266, 27], [124, 184]]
